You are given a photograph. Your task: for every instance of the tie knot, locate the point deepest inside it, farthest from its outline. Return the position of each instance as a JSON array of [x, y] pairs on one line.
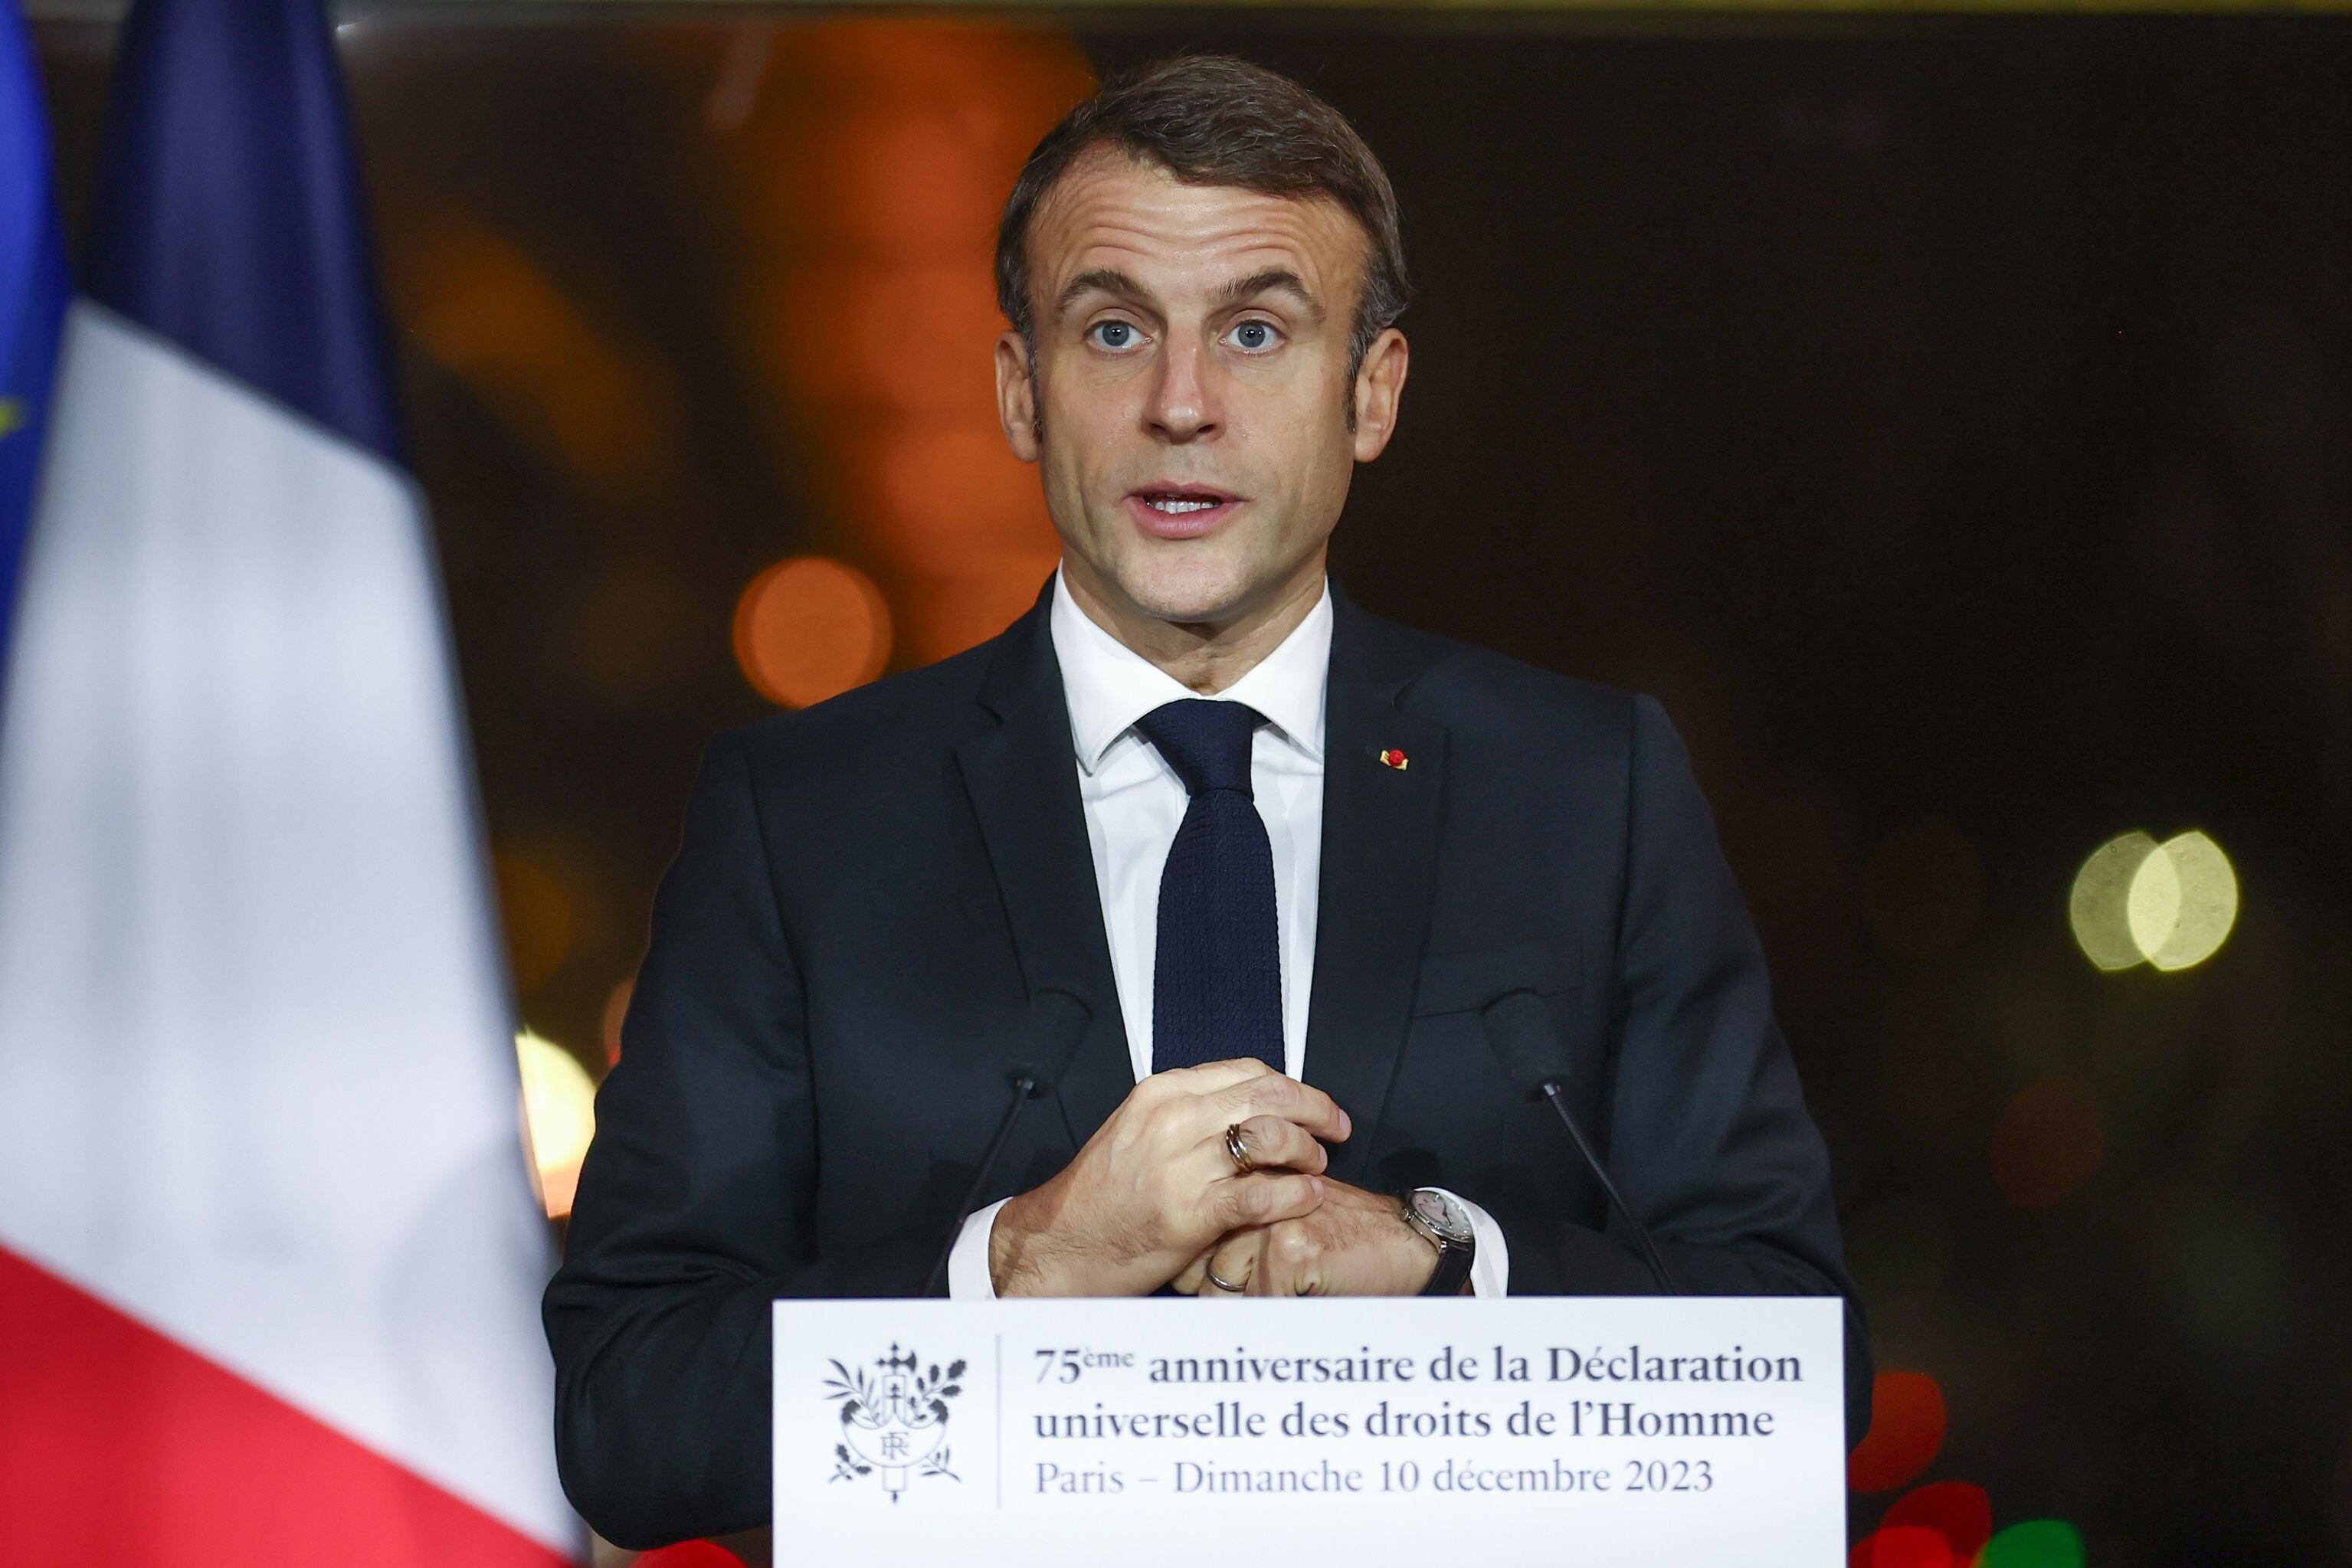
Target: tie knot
[[1208, 743]]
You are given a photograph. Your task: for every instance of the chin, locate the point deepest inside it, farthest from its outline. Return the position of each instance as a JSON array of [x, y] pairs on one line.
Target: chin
[[1189, 593]]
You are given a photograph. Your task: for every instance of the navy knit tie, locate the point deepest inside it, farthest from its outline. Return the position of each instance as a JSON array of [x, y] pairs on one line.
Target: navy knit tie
[[1216, 987]]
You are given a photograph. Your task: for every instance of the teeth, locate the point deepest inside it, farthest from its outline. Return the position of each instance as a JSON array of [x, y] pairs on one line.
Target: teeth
[[1173, 505]]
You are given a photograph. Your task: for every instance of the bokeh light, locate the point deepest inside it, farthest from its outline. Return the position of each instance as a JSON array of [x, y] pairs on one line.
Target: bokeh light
[[1903, 1546], [2169, 905], [1906, 1432], [2049, 1141], [2098, 907], [875, 165], [811, 628], [2183, 902], [538, 917], [2035, 1543], [1960, 1512], [559, 1108]]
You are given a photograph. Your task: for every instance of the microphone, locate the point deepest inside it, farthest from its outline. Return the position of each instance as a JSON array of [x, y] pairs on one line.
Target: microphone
[[1055, 1023], [1535, 1059]]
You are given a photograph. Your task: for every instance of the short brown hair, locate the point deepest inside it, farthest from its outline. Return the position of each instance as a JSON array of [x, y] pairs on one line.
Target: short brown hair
[[1211, 119]]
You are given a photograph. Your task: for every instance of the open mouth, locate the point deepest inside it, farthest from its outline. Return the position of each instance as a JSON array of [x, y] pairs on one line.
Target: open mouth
[[1180, 511]]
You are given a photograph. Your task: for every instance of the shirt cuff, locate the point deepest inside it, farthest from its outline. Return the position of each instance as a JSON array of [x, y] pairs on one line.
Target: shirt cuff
[[1490, 1265], [968, 1276]]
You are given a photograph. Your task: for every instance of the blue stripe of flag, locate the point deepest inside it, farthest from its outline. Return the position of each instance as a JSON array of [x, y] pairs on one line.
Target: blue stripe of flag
[[229, 217], [33, 289]]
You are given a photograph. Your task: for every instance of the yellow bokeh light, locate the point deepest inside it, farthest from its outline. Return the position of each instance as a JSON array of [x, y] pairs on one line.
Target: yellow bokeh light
[[2169, 905], [559, 1108], [2204, 902], [2099, 909]]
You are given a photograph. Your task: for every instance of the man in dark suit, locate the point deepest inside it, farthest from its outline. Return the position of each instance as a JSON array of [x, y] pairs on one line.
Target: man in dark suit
[[1285, 856]]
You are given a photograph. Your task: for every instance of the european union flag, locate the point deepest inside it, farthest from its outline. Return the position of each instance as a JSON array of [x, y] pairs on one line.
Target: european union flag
[[32, 293]]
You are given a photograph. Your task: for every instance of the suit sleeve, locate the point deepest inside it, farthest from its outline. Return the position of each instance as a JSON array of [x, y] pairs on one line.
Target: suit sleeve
[[1706, 1130], [693, 1208]]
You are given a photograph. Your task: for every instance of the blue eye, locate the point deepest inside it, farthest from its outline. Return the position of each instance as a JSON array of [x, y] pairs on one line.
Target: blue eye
[[1114, 334], [1254, 336]]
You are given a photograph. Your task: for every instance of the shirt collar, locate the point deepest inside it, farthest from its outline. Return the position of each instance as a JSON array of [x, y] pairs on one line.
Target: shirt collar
[[1109, 685]]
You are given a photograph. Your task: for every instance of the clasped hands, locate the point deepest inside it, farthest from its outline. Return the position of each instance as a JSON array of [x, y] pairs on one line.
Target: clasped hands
[[1156, 1198]]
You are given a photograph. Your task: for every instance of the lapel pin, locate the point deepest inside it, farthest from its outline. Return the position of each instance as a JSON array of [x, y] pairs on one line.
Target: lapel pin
[[1395, 758]]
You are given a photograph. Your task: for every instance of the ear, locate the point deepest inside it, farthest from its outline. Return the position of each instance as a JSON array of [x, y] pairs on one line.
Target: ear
[[1016, 395], [1380, 390]]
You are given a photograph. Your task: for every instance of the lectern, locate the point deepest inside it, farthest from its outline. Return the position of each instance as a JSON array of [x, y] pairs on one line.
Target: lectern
[[1510, 1433]]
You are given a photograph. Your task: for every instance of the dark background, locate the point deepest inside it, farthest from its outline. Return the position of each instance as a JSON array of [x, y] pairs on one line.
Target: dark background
[[1950, 419]]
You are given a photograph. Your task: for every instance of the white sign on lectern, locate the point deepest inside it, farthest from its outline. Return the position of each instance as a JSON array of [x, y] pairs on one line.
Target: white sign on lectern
[[1521, 1431]]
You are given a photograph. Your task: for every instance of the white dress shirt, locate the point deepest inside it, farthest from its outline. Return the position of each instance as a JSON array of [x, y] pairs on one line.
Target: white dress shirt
[[1134, 802]]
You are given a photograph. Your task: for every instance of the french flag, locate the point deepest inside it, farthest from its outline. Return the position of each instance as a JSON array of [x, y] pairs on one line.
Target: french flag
[[270, 1259]]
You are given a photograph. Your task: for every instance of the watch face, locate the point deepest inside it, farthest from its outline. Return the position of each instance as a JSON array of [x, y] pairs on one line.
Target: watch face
[[1442, 1214]]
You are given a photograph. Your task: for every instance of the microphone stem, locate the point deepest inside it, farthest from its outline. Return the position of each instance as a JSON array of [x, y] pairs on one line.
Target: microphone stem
[[1557, 1098], [1023, 1088]]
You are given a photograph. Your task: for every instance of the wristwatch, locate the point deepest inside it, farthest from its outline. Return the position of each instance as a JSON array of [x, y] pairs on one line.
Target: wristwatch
[[1446, 1226]]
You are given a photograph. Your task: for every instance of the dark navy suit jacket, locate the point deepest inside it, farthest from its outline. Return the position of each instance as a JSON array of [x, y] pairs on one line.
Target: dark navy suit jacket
[[869, 891]]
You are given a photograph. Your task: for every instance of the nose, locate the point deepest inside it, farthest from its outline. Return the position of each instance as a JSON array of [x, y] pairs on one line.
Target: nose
[[1183, 407]]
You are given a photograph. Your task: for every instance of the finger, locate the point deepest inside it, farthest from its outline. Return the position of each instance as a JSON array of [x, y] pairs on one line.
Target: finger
[[1273, 1143], [1266, 1269], [1291, 1262], [1262, 1199], [1232, 1263], [1271, 1094], [1187, 1278], [1209, 1077]]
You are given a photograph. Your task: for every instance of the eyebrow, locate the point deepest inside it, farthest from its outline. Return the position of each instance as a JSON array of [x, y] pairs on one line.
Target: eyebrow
[[1110, 281], [1274, 278], [1102, 279]]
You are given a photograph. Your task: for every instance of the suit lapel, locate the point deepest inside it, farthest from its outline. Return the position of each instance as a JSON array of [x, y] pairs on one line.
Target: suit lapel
[[1381, 826], [1022, 777]]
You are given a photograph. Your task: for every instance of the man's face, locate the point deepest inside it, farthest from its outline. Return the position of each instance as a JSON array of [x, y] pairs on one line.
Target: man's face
[[1189, 408]]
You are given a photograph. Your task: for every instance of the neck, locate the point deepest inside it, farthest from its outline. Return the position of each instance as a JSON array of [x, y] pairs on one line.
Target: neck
[[1203, 656]]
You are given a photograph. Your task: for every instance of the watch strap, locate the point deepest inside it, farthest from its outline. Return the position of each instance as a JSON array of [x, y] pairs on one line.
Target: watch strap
[[1453, 1269]]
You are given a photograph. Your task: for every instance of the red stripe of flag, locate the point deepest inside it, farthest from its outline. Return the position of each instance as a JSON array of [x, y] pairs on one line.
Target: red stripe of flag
[[119, 1445]]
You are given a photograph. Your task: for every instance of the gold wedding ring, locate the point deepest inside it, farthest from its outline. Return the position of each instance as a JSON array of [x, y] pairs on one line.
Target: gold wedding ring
[[1239, 1150]]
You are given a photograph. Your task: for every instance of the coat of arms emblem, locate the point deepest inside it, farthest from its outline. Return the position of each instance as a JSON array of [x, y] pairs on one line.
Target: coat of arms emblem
[[894, 1422]]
